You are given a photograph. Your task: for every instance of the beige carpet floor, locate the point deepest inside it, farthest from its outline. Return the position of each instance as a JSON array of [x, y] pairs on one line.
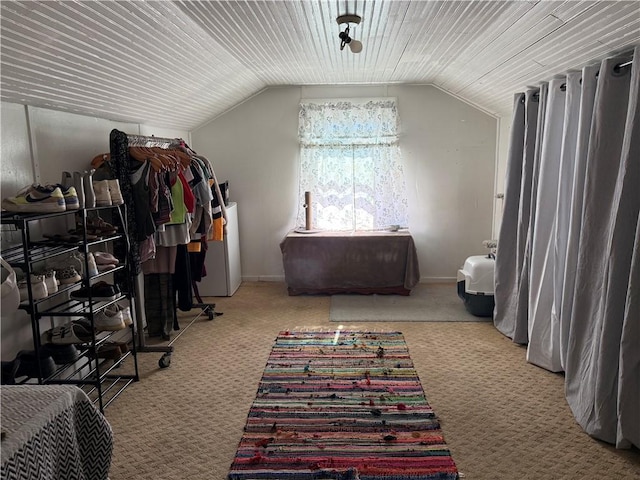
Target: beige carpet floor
[[502, 417], [428, 302]]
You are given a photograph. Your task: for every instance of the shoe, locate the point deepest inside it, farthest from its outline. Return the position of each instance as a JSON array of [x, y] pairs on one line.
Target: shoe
[[100, 227], [67, 180], [68, 275], [28, 366], [116, 193], [109, 320], [89, 192], [99, 291], [71, 333], [36, 199], [109, 351], [125, 311], [61, 353], [38, 288], [103, 196], [80, 263], [106, 268], [50, 281], [105, 258], [79, 234], [91, 261], [69, 193], [9, 372], [78, 184]]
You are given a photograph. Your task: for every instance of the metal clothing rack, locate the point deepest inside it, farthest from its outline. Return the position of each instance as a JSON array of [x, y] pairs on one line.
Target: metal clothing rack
[[119, 155]]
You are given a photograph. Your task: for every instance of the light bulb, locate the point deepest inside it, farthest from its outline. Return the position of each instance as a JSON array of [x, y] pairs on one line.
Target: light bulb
[[355, 46]]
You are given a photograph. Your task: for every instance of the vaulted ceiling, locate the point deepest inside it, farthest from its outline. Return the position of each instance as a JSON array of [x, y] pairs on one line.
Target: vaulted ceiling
[[180, 63]]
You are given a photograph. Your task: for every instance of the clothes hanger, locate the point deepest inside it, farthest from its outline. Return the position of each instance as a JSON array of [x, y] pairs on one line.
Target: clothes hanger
[[98, 160], [142, 155]]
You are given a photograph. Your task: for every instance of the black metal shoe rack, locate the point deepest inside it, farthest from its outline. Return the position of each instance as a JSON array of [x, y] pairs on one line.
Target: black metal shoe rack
[[98, 377]]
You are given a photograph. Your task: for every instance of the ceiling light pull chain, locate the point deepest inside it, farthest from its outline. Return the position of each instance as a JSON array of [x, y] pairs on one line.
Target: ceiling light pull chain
[[345, 39]]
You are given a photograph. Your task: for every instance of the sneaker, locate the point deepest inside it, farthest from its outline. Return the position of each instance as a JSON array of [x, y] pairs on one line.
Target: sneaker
[[68, 275], [38, 288], [109, 319], [36, 199], [99, 291], [69, 193], [126, 313], [114, 190], [80, 263], [103, 196], [72, 332]]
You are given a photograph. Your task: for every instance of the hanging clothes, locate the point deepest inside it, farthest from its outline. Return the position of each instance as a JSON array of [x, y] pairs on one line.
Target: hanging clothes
[[182, 279]]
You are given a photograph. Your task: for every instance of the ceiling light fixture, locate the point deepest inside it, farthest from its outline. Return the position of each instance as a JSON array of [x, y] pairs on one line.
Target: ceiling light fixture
[[345, 39]]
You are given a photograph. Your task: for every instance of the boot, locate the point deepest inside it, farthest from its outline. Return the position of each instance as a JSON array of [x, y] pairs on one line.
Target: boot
[[102, 194], [67, 180], [89, 194], [78, 184]]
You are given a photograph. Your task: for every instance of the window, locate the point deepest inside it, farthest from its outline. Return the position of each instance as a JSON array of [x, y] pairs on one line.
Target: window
[[350, 162]]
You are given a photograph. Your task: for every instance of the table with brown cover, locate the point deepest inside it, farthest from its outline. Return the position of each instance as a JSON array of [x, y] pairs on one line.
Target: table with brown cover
[[350, 262]]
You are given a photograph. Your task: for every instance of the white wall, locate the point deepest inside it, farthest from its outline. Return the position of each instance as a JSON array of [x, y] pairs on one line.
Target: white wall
[[36, 146], [504, 132], [449, 149]]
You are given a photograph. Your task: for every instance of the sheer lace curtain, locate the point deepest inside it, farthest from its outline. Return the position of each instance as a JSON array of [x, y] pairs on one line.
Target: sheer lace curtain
[[350, 162]]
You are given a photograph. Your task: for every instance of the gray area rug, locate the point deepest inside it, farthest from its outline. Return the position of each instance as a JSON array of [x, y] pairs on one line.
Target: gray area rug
[[428, 302]]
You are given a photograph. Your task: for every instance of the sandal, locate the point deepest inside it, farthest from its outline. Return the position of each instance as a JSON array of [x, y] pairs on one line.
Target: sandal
[[99, 225], [91, 235], [63, 238]]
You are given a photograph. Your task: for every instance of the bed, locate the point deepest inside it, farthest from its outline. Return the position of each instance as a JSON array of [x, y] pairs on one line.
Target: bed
[[53, 432]]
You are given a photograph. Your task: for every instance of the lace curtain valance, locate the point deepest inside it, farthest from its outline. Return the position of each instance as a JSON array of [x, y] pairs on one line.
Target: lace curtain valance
[[348, 122]]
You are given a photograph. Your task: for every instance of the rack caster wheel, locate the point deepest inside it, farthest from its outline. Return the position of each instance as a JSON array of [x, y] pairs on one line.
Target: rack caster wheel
[[165, 360], [210, 314]]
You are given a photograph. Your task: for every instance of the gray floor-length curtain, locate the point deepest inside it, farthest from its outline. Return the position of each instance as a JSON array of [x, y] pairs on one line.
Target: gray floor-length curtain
[[628, 430], [522, 310], [544, 333], [531, 154], [588, 82], [577, 279], [563, 205], [624, 247], [593, 377], [511, 259], [506, 274]]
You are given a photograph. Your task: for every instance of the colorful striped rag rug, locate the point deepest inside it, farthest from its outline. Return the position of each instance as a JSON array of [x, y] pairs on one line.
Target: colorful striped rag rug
[[341, 405]]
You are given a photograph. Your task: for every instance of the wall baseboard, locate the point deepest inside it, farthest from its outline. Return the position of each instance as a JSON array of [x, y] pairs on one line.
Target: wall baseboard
[[280, 278], [263, 278], [438, 279]]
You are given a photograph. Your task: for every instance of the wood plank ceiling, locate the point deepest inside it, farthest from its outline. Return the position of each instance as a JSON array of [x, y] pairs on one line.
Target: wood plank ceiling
[[178, 64]]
